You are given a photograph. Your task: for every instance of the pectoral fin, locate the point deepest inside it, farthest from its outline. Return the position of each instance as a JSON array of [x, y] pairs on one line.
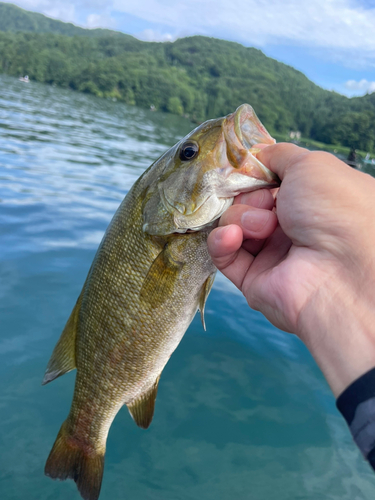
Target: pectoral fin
[[161, 278], [142, 409], [204, 294], [63, 358]]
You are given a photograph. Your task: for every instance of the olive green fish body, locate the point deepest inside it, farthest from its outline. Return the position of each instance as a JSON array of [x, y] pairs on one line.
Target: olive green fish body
[[141, 295], [151, 273]]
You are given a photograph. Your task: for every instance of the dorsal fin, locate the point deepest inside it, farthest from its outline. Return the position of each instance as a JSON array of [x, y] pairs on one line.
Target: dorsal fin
[[63, 358], [142, 408], [204, 294]]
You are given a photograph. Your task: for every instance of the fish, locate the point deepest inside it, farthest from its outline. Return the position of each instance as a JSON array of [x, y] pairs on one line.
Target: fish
[[150, 275]]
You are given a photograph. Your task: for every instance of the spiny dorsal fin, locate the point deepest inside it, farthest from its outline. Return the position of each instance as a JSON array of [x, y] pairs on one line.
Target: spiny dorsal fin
[[142, 409], [63, 358], [161, 278], [204, 294]]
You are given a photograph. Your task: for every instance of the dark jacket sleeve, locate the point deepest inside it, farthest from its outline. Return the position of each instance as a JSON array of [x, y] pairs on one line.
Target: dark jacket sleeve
[[357, 405]]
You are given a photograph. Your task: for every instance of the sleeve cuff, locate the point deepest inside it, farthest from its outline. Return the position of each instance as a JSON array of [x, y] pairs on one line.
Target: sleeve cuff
[[357, 405]]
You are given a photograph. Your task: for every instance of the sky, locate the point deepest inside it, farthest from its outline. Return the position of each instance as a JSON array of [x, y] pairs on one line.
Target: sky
[[331, 41]]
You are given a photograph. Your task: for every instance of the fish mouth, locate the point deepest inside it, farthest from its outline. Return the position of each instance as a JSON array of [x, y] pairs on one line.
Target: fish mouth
[[199, 218], [242, 173], [224, 204], [242, 130], [249, 129]]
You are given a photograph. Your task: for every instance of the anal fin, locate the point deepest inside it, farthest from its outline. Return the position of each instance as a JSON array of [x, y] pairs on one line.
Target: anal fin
[[63, 357], [204, 294], [142, 409]]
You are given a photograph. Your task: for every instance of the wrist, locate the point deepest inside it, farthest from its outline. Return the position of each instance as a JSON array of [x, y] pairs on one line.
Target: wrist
[[338, 327]]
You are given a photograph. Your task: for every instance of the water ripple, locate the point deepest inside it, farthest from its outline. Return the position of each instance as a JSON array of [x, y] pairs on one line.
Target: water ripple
[[67, 160]]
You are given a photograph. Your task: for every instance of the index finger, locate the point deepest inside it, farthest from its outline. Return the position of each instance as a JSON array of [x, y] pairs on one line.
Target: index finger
[[279, 157]]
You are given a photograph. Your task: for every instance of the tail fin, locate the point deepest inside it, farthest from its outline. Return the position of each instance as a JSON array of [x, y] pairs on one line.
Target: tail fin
[[69, 459]]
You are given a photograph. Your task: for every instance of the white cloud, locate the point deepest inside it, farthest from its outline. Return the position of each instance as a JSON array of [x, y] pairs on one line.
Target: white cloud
[[150, 35], [57, 9], [361, 87], [343, 29], [100, 21], [93, 21], [321, 23], [63, 12]]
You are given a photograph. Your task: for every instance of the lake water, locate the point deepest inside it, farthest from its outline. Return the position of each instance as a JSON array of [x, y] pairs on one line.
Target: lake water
[[242, 410]]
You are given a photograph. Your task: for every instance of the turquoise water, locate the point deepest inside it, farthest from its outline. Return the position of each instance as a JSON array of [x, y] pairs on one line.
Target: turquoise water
[[242, 411]]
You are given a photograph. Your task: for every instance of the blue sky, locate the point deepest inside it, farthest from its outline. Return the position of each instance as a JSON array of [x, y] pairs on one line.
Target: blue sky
[[331, 41]]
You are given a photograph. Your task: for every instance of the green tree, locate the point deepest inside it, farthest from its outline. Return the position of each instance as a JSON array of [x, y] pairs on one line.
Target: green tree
[[175, 106]]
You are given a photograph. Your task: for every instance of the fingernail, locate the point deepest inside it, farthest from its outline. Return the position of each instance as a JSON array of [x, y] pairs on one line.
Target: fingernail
[[255, 220]]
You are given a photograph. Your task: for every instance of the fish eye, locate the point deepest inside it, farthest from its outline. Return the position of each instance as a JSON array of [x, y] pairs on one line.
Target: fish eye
[[189, 150]]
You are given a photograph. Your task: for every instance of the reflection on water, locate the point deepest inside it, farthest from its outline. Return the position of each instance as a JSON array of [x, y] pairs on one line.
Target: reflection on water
[[242, 410]]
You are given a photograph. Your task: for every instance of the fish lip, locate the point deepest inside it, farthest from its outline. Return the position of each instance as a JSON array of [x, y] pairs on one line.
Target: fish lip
[[273, 179], [264, 136], [242, 130]]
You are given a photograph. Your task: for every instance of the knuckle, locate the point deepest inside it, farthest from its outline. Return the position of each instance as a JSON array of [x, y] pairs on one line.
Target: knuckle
[[225, 261]]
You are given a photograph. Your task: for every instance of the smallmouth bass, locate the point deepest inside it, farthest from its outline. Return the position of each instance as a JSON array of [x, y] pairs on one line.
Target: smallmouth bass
[[151, 274]]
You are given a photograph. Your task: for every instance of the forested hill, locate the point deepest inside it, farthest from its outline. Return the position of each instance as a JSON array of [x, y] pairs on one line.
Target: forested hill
[[196, 76]]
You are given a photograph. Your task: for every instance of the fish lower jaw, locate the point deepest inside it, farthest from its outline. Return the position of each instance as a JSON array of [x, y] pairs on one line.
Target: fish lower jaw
[[194, 229], [239, 183], [183, 227]]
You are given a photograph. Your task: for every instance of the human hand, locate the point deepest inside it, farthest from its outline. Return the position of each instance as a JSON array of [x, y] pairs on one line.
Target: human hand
[[313, 275]]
